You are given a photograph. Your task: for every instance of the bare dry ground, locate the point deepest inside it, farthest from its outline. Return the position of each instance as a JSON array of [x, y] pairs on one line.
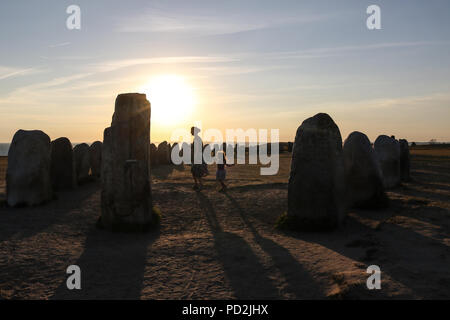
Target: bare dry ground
[[212, 245]]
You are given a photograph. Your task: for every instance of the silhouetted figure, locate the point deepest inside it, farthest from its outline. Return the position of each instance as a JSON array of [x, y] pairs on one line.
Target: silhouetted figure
[[198, 167]]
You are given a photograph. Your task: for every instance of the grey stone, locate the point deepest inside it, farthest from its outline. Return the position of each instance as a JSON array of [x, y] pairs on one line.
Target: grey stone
[[28, 180], [153, 155], [316, 183], [364, 182], [126, 188], [62, 164], [388, 153], [82, 162], [164, 153], [95, 157], [290, 146]]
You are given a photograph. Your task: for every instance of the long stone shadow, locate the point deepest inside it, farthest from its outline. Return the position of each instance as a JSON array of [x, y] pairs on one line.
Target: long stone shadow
[[413, 191], [163, 171], [299, 281], [24, 222], [261, 186], [248, 278], [421, 268], [422, 211], [112, 266]]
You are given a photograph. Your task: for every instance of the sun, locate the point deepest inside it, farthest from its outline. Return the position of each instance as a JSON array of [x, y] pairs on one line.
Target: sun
[[172, 99]]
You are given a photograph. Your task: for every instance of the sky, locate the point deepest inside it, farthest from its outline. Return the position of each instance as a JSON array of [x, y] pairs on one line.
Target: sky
[[228, 64]]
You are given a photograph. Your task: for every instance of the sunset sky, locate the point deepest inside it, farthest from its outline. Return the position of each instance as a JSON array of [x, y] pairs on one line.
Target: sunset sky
[[229, 64]]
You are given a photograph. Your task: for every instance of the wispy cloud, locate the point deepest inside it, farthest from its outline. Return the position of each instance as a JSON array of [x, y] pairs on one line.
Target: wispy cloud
[[333, 51], [8, 72], [113, 65], [212, 24], [62, 44]]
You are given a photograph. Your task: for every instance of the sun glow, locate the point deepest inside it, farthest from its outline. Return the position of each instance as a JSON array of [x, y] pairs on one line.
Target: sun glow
[[172, 99]]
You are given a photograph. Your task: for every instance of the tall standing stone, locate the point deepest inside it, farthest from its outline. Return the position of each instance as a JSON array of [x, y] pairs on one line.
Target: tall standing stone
[[364, 182], [28, 180], [62, 164], [388, 153], [95, 157], [126, 189], [405, 160], [316, 183], [82, 162]]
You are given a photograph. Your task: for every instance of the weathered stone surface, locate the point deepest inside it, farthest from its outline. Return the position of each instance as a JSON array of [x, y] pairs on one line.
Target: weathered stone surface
[[82, 162], [290, 146], [405, 160], [126, 188], [62, 164], [164, 153], [364, 182], [95, 157], [28, 180], [316, 183], [388, 153], [153, 155]]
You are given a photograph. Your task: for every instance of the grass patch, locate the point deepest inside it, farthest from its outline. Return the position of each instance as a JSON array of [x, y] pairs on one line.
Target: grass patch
[[156, 215]]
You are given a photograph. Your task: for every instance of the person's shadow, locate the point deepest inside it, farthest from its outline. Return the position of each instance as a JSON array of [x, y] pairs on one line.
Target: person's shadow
[[299, 281], [112, 266], [247, 276]]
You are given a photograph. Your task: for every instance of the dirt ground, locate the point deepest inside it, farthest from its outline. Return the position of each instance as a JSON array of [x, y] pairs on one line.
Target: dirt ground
[[212, 245]]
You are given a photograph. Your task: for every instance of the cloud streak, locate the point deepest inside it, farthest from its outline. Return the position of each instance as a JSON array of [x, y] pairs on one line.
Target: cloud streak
[[159, 21], [113, 65], [334, 51], [8, 72]]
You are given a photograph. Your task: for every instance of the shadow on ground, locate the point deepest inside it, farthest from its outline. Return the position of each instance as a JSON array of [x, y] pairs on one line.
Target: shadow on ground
[[112, 266], [247, 276], [299, 281]]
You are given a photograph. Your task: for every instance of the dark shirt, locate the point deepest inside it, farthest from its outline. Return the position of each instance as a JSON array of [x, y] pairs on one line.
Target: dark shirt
[[222, 166]]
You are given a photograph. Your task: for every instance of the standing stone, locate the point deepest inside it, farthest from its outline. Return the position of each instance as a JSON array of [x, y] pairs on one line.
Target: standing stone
[[164, 153], [28, 180], [405, 160], [62, 164], [82, 162], [95, 157], [388, 153], [364, 182], [316, 183], [153, 155], [126, 190], [290, 146]]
